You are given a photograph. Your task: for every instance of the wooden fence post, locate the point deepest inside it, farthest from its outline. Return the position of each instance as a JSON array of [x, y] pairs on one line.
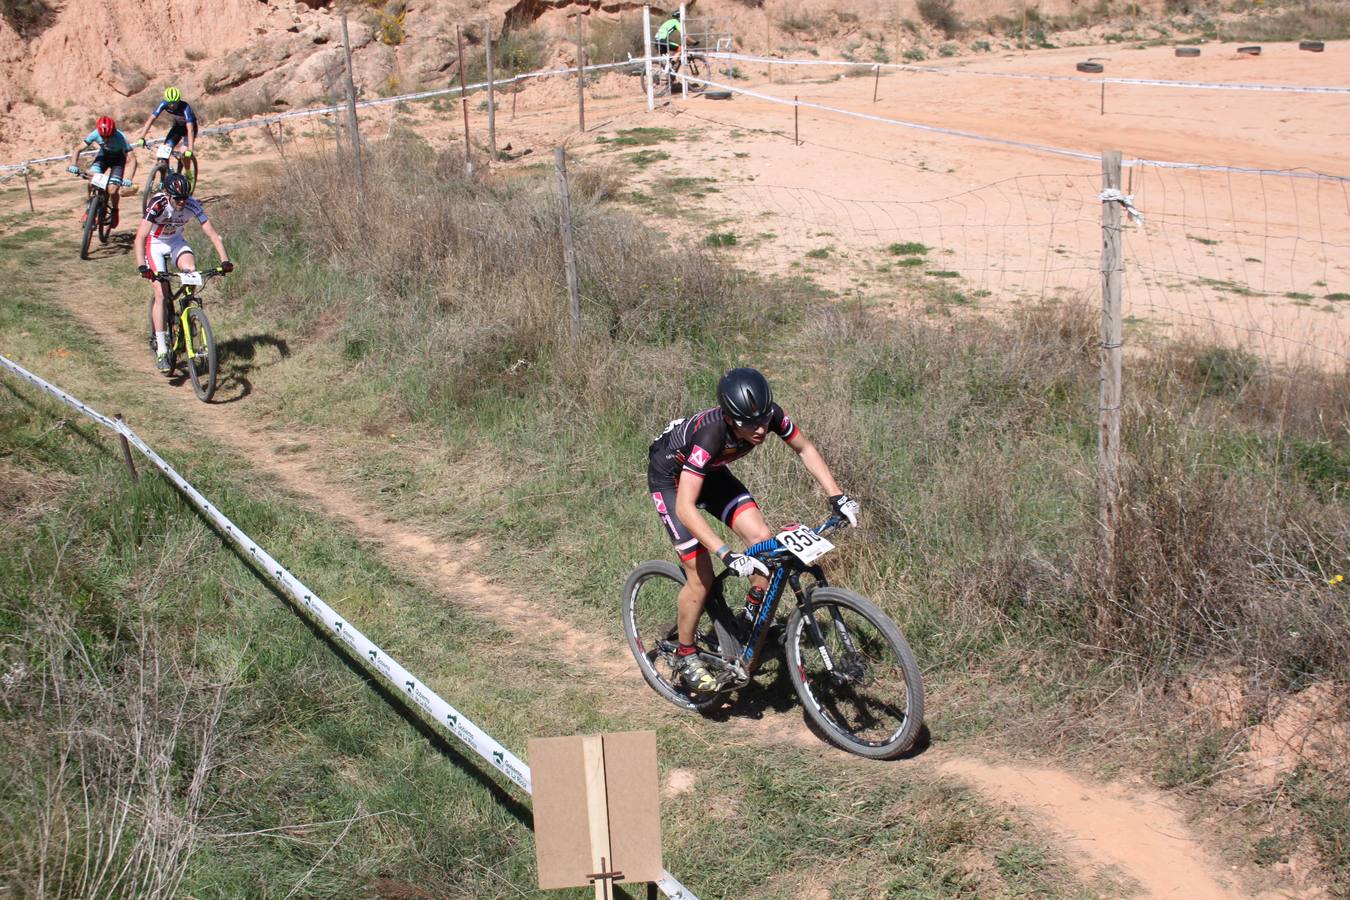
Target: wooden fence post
[[1109, 404], [126, 449], [569, 244], [796, 115], [876, 81], [29, 189], [464, 103], [351, 105], [492, 99]]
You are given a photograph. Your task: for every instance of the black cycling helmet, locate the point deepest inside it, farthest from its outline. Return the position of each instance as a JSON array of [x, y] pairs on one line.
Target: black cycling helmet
[[177, 186], [745, 396]]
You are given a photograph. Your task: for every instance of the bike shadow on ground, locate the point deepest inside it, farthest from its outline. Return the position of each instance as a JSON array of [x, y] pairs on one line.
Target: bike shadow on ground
[[119, 244], [238, 359], [772, 691]]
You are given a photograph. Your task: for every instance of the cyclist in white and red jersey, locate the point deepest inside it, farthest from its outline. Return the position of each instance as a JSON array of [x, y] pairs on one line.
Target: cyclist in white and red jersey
[[160, 240], [687, 471]]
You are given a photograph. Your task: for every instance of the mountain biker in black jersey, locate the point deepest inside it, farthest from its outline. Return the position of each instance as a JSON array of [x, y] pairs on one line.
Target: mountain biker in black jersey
[[183, 127], [687, 471]]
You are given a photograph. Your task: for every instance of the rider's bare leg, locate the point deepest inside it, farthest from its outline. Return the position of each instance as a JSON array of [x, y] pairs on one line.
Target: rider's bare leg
[[698, 579]]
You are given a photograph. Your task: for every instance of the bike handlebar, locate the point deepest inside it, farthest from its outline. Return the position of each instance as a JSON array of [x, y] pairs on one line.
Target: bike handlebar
[[771, 549], [166, 277]]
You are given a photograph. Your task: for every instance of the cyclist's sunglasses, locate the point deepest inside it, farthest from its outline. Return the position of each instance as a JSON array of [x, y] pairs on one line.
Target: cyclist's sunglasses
[[752, 424]]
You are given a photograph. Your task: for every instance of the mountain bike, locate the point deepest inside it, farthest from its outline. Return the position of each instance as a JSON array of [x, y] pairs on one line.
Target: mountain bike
[[189, 330], [665, 73], [848, 662], [155, 183], [98, 211]]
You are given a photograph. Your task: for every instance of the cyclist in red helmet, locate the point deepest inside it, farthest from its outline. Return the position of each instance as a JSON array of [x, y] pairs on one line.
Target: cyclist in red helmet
[[114, 155]]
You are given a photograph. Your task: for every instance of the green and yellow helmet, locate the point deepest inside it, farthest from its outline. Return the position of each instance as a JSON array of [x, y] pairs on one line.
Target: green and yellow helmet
[[172, 95]]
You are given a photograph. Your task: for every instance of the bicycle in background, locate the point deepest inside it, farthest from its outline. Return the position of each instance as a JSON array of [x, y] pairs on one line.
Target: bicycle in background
[[98, 211]]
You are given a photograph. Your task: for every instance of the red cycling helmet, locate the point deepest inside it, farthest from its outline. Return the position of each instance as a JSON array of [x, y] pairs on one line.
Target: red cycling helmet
[[105, 127]]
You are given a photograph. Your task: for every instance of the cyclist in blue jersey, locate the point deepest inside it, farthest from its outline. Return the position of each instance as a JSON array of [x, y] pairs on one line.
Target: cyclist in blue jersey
[[114, 156], [184, 127], [687, 471], [160, 241]]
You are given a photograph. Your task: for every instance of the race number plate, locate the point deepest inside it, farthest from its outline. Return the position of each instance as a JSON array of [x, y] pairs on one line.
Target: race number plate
[[164, 151], [100, 180], [804, 543], [193, 278]]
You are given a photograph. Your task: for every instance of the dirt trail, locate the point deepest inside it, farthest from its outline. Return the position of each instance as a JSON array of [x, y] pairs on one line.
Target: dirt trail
[[1143, 838]]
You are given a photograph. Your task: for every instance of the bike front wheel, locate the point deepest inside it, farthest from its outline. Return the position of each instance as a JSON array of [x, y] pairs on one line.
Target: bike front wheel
[[92, 214], [199, 352], [650, 601], [105, 222], [855, 673]]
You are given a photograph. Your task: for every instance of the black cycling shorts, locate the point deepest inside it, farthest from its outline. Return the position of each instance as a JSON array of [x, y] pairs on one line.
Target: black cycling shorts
[[723, 495], [107, 161], [178, 133]]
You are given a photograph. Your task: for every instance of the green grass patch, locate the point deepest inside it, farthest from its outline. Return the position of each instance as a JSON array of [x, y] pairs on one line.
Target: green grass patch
[[908, 248], [639, 137], [644, 158], [819, 253], [1208, 242], [721, 239]]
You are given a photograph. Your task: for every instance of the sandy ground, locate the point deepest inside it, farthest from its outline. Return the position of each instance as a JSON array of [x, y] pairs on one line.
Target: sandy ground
[[1233, 257]]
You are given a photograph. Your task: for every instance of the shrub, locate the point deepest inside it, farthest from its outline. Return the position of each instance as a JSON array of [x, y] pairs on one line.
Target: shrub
[[941, 14], [27, 17], [614, 41]]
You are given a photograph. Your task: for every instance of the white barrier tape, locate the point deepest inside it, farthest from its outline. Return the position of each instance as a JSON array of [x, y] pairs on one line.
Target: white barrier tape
[[1032, 76], [919, 126], [361, 104], [452, 720], [1009, 142], [1115, 195]]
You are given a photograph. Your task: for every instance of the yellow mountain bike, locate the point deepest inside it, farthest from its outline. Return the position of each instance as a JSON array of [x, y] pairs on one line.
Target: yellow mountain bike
[[190, 339]]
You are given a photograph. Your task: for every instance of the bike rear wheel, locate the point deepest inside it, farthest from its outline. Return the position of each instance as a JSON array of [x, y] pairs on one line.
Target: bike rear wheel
[[649, 607], [864, 690], [92, 213], [199, 352]]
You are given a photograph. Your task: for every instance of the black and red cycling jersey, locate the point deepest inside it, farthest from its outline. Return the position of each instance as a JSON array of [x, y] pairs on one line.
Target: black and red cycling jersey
[[704, 442]]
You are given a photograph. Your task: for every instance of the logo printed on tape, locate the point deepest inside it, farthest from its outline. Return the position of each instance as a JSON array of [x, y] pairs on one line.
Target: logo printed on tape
[[460, 731]]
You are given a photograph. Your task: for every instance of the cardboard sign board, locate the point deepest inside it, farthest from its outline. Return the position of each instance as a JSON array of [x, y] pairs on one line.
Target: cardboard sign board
[[595, 797]]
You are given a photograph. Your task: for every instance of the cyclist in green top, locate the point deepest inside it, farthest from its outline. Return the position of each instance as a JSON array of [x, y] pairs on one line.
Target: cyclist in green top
[[669, 37]]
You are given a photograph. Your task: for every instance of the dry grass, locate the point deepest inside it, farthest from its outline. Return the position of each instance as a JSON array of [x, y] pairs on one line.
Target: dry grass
[[475, 304], [119, 741]]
